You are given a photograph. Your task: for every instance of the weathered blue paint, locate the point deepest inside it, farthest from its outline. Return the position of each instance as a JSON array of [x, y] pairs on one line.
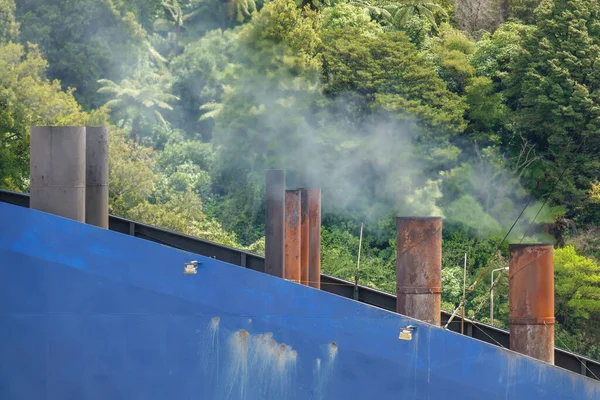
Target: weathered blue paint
[[87, 313]]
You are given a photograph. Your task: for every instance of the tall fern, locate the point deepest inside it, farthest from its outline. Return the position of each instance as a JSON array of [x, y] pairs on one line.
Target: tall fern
[[138, 98], [399, 12], [240, 9]]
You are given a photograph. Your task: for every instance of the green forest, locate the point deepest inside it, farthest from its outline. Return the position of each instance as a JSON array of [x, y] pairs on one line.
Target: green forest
[[484, 112]]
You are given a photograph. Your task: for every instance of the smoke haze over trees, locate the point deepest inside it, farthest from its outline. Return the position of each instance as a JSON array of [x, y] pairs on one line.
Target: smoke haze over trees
[[467, 109]]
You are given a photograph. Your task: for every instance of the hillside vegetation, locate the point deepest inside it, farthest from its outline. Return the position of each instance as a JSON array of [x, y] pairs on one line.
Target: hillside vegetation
[[473, 110]]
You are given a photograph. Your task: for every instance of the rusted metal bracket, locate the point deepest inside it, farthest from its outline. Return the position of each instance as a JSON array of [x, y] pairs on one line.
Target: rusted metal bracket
[[191, 268], [406, 333]]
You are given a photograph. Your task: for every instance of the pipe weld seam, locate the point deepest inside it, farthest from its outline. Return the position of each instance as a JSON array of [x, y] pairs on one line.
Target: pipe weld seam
[[418, 290], [532, 321]]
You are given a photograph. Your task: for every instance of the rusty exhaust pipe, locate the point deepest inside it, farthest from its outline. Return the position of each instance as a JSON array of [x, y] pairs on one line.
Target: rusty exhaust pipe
[[274, 222], [314, 237], [531, 283], [292, 236], [304, 237], [419, 268]]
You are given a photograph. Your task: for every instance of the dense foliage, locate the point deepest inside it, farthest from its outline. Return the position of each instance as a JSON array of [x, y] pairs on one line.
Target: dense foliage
[[468, 109]]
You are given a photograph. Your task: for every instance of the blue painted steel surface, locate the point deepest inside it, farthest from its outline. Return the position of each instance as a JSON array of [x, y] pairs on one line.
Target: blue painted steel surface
[[87, 313]]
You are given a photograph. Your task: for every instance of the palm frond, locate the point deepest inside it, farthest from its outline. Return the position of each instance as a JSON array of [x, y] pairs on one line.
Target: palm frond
[[154, 54], [191, 15], [213, 110], [163, 105], [162, 25], [159, 117], [113, 103]]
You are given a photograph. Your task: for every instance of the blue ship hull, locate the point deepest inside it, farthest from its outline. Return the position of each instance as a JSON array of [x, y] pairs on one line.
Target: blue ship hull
[[87, 313]]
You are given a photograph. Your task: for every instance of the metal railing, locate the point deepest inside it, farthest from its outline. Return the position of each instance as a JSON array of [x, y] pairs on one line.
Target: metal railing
[[486, 333]]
